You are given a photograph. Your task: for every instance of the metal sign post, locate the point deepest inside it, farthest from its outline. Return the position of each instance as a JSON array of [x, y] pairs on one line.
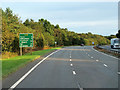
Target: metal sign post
[[25, 40], [20, 51]]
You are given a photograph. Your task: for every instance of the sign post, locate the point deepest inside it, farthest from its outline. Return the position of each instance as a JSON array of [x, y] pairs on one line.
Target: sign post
[[20, 51], [25, 40]]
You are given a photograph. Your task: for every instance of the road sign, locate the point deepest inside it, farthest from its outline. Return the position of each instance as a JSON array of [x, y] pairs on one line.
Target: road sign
[[93, 43], [26, 40]]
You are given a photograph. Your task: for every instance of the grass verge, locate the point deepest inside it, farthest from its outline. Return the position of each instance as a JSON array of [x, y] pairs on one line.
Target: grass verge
[[108, 52], [13, 64]]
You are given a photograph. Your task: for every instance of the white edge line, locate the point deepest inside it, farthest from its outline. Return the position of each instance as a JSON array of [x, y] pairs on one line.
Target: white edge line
[[105, 54], [23, 77]]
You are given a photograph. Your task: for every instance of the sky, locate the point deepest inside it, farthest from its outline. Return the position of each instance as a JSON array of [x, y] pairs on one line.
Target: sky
[[81, 17]]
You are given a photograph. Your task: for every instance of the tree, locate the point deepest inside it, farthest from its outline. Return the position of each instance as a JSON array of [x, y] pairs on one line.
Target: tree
[[118, 34], [57, 26], [27, 22], [45, 34]]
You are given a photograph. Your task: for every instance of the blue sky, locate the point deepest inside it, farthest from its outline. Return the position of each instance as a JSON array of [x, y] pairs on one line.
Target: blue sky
[[81, 17]]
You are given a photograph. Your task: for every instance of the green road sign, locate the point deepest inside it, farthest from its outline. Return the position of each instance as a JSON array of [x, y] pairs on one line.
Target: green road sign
[[26, 40]]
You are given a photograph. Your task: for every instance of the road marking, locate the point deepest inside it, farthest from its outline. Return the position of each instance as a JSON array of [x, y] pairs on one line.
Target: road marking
[[91, 57], [23, 77], [74, 72], [119, 73], [71, 64], [105, 54], [79, 86], [70, 59], [97, 60], [70, 56], [105, 65]]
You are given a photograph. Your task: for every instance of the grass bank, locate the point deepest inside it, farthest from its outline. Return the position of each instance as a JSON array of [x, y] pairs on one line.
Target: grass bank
[[107, 52], [12, 64]]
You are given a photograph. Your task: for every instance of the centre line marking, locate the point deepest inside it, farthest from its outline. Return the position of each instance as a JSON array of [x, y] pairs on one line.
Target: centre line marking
[[97, 60], [71, 64], [105, 65], [74, 72], [70, 56]]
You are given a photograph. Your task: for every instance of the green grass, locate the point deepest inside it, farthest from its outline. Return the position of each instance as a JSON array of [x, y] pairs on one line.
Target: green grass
[[12, 64]]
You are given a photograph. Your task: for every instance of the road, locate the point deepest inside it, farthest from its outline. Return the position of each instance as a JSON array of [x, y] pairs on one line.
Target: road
[[74, 67]]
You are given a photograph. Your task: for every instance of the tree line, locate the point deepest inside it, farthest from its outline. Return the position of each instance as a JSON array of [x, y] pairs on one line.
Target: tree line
[[118, 34], [45, 33]]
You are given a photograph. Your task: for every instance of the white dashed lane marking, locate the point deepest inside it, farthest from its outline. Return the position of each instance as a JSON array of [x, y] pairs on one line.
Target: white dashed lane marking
[[70, 59], [71, 64], [97, 60], [91, 57], [74, 72], [105, 65]]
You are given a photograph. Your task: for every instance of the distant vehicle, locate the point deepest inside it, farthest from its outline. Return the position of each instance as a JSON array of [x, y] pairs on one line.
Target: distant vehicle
[[82, 44], [115, 43]]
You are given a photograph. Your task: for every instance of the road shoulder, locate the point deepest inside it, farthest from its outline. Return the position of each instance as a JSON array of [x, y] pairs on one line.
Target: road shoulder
[[12, 78]]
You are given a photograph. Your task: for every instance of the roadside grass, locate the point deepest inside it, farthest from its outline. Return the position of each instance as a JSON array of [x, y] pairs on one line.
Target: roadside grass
[[13, 64], [108, 52]]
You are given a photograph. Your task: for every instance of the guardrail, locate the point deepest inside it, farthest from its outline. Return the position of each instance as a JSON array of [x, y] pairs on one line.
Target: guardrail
[[109, 49]]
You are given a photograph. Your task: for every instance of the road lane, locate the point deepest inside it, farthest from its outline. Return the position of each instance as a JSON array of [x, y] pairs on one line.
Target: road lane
[[54, 72], [92, 74], [104, 59], [74, 67]]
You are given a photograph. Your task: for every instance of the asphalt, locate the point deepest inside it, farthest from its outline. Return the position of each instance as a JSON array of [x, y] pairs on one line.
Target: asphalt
[[75, 67]]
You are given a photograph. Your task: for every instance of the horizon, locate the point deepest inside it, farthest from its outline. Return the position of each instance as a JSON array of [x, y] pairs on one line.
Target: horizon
[[80, 17]]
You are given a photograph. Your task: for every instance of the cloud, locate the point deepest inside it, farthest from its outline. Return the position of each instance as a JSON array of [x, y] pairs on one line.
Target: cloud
[[103, 27], [89, 23]]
